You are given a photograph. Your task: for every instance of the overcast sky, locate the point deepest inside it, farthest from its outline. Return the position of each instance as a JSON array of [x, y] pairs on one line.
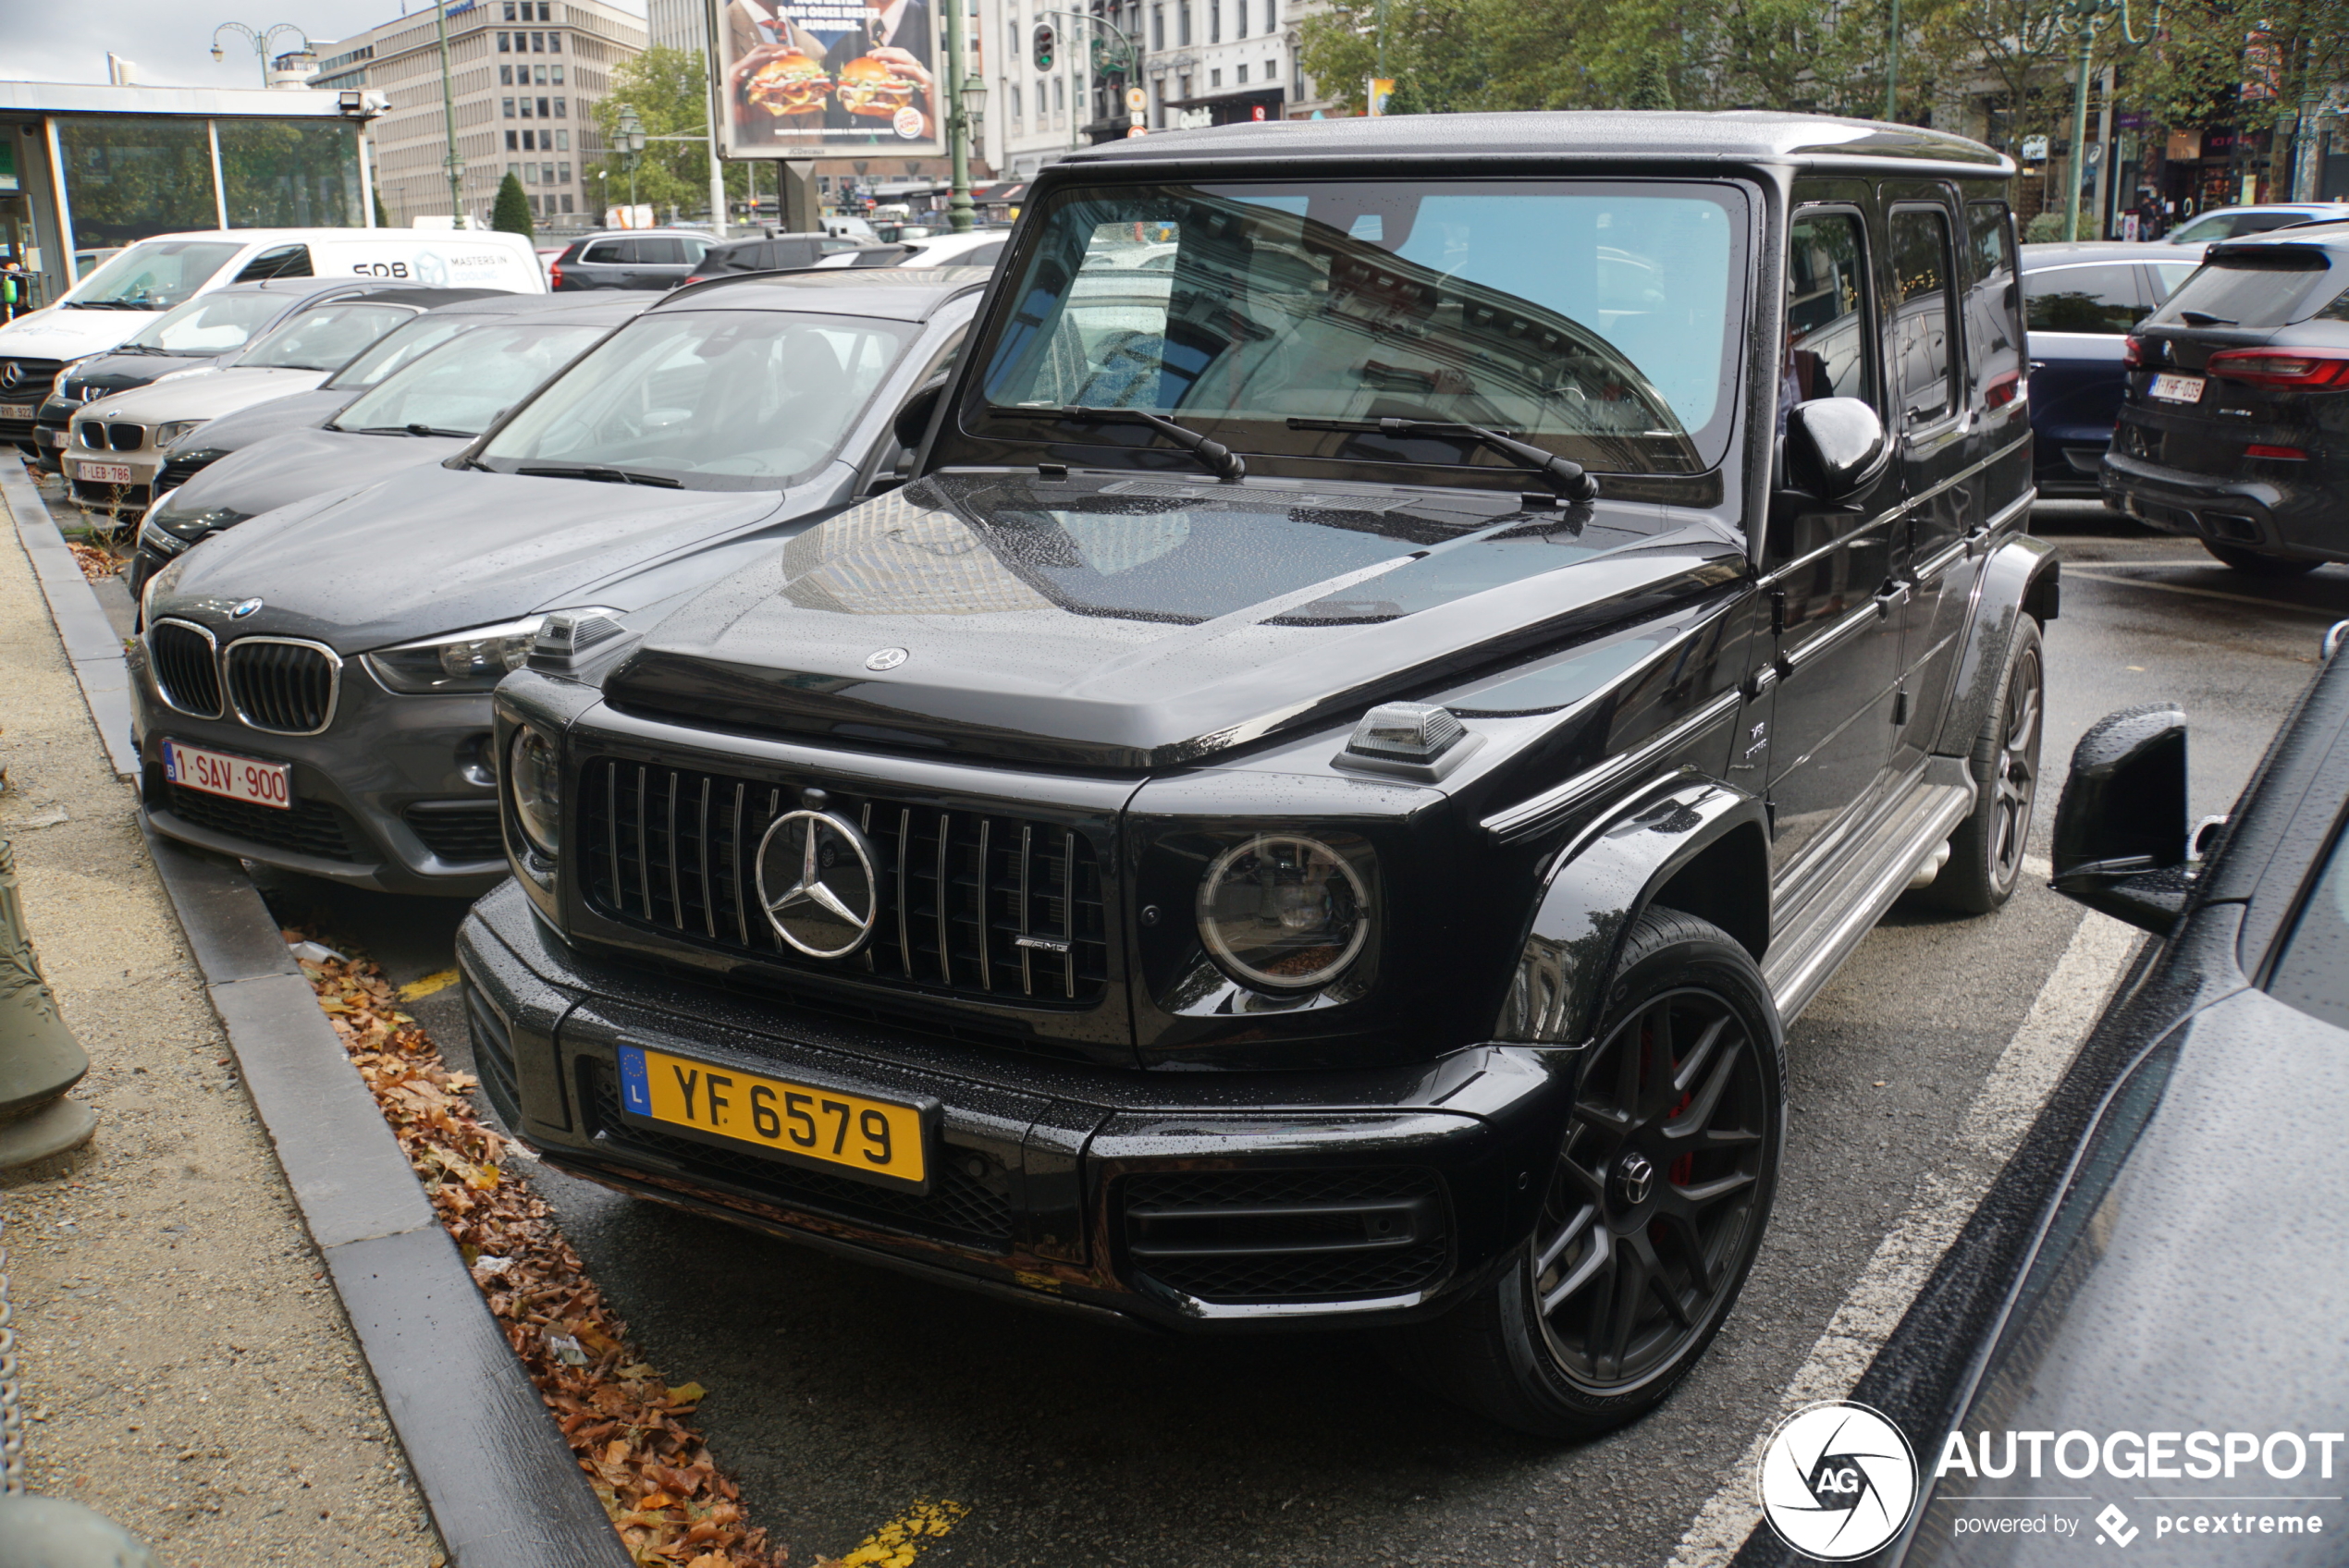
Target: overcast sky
[[171, 40]]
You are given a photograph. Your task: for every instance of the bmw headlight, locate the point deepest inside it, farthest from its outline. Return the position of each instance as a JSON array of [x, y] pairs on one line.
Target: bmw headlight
[[534, 776], [1283, 911], [461, 661], [166, 435]]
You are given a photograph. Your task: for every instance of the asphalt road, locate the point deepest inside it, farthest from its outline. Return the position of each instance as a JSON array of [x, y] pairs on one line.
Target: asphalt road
[[842, 1394]]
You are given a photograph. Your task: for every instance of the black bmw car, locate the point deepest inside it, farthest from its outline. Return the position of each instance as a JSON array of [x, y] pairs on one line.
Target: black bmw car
[[2138, 1332], [2236, 428]]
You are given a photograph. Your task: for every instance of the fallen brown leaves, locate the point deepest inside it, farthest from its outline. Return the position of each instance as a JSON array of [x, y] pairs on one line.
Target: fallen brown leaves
[[650, 1468], [96, 564]]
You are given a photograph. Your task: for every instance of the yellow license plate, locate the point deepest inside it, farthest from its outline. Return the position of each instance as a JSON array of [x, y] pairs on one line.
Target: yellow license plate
[[875, 1138]]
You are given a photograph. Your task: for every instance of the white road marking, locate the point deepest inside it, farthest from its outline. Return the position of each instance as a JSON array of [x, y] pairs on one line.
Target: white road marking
[[2203, 593], [2018, 1085]]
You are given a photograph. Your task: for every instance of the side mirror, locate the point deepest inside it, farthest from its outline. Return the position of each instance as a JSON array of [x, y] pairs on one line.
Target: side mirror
[[2120, 833], [913, 420], [1834, 447]]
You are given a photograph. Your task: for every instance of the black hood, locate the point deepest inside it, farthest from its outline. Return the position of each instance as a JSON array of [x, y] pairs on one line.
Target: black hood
[[1126, 623], [108, 373], [297, 411], [439, 549], [289, 468]]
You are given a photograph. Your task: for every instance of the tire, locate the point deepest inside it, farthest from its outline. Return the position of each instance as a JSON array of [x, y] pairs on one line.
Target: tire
[[1651, 1221], [1986, 851], [2251, 563]]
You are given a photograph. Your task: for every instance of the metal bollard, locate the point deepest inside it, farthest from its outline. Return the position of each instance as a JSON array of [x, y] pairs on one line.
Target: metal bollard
[[39, 1060]]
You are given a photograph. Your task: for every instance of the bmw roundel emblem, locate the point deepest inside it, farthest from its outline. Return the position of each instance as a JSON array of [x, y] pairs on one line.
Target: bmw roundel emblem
[[241, 611], [886, 658]]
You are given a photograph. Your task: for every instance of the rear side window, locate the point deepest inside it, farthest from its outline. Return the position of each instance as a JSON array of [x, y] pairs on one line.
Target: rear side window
[[1826, 304], [1921, 312], [2259, 286], [282, 261], [2167, 275], [607, 252], [2108, 301]]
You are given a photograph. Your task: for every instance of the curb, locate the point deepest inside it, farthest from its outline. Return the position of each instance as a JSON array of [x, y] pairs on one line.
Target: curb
[[495, 1475], [89, 636]]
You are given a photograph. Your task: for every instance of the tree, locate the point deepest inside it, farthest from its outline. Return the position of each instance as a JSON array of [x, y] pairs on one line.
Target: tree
[[1653, 88], [668, 90], [512, 214], [381, 221]]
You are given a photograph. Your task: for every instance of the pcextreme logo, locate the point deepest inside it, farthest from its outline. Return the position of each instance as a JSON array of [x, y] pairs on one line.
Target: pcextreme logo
[[1837, 1481]]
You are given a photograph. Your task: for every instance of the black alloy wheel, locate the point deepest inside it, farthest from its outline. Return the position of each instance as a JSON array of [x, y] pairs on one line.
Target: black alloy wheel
[[1653, 1192], [1986, 849], [1652, 1210]]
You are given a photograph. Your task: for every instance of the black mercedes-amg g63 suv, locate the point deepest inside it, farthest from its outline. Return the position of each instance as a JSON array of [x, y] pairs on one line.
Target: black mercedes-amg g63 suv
[[1315, 802]]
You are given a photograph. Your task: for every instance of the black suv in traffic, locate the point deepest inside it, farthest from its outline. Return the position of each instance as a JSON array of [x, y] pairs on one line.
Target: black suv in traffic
[[2235, 430], [1315, 804]]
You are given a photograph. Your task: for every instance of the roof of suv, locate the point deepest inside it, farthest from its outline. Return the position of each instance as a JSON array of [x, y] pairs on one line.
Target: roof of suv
[[2037, 258], [891, 293], [1744, 136]]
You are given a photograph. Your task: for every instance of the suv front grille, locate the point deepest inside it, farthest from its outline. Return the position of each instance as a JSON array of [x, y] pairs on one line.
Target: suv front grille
[[969, 1198], [1286, 1235], [282, 685], [976, 904], [187, 667]]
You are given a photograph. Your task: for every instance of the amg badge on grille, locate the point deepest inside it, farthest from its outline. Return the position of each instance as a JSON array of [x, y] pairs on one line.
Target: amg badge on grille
[[816, 883]]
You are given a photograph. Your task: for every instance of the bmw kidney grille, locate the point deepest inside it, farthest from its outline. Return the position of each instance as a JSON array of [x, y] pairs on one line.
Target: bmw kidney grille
[[187, 667], [281, 684]]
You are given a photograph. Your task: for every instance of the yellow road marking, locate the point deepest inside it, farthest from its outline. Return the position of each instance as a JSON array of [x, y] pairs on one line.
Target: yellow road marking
[[428, 985], [897, 1543]]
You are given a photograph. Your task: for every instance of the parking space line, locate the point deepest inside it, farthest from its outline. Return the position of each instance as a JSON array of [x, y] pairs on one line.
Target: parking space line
[[2069, 571], [416, 990], [2010, 1097], [897, 1543]]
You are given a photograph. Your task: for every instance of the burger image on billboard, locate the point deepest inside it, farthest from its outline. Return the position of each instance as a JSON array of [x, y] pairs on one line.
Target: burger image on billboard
[[789, 84], [869, 87]]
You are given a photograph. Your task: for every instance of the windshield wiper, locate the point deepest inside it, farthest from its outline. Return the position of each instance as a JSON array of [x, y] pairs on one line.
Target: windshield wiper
[[408, 430], [106, 305], [1216, 458], [1565, 476], [601, 472]]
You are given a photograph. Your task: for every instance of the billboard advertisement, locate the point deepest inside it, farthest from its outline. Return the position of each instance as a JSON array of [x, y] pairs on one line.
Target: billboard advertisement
[[806, 79]]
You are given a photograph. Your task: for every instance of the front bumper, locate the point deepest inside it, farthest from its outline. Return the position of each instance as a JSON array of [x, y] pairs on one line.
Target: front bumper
[[394, 795], [141, 464], [1190, 1201], [2294, 517]]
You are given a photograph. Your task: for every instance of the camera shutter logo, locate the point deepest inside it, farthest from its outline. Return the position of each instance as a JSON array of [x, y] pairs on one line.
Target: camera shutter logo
[[816, 882], [1837, 1481]]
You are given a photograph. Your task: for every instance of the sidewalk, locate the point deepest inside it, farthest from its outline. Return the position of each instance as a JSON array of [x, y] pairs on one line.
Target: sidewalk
[[188, 1370]]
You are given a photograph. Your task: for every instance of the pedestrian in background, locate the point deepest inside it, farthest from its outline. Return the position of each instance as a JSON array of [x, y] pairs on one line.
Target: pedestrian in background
[[14, 287]]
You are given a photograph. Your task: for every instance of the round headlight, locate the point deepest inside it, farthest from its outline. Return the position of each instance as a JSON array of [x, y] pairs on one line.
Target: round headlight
[[1283, 911], [536, 779]]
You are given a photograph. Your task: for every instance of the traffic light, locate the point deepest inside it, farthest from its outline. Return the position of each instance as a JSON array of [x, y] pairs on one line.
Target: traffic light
[[1044, 46]]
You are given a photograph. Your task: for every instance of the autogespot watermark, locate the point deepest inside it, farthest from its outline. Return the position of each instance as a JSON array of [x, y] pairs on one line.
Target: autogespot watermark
[[1840, 1480]]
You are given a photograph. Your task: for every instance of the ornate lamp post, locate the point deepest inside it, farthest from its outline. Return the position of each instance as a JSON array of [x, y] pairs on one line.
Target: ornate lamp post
[[970, 103], [259, 40], [630, 142], [2084, 20]]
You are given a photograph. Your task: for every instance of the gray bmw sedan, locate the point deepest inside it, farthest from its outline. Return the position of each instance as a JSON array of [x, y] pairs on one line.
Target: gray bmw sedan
[[311, 690]]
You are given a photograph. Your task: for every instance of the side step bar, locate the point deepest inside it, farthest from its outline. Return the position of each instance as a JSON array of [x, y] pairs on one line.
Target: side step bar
[[1802, 959]]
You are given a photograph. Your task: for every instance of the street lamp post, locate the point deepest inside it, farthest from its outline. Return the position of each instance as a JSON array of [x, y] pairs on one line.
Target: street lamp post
[[958, 128], [2086, 18], [258, 39], [631, 144], [1101, 59], [452, 161]]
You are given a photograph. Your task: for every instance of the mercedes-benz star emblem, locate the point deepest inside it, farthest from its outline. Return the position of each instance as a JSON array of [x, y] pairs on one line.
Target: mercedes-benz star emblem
[[816, 883], [1636, 1175], [886, 658], [10, 373], [241, 611]]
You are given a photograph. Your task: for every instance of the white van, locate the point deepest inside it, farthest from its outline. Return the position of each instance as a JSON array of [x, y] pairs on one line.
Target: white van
[[123, 295]]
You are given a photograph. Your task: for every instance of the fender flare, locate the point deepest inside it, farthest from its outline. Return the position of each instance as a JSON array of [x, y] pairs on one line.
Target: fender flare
[[2022, 576], [1603, 881]]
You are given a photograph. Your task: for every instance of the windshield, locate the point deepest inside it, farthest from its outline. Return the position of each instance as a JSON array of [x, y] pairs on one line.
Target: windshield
[[154, 276], [403, 344], [462, 388], [710, 399], [210, 323], [323, 338], [2313, 973], [1595, 320]]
